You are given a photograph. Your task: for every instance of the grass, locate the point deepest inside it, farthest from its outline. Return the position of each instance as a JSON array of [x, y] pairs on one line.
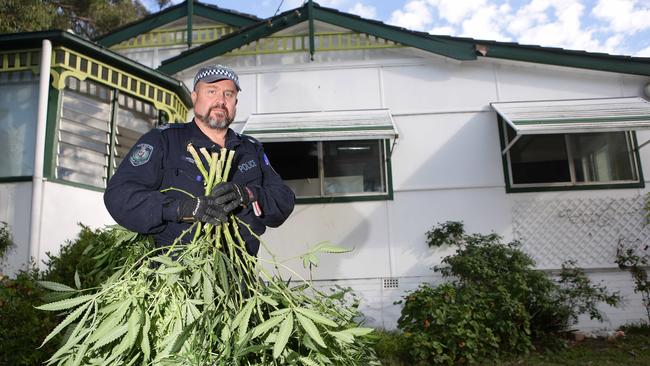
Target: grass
[[633, 350]]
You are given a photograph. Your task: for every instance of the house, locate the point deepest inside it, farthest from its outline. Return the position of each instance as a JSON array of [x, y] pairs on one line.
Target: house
[[382, 132]]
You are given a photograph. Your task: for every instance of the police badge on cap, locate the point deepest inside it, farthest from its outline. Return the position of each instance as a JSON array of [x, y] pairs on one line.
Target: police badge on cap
[[212, 73]]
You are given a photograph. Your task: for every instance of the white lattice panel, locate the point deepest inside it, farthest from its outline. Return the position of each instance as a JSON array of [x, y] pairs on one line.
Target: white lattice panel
[[587, 230]]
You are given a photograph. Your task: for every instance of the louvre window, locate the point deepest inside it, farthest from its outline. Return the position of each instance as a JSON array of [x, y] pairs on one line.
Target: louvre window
[[95, 132]]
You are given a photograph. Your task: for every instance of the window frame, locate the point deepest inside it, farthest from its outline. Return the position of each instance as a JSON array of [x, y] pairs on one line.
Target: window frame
[[55, 105], [354, 197], [571, 186]]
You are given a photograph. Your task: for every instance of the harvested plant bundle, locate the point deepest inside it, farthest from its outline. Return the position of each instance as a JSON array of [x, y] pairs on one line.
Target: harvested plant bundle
[[206, 302]]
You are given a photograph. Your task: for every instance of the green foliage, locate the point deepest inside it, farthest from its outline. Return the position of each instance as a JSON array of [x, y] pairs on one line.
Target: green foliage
[[88, 18], [205, 302], [23, 326], [494, 302], [6, 241], [636, 259], [390, 346]]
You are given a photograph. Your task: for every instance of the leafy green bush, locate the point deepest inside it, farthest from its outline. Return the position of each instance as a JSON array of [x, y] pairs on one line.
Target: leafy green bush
[[494, 302], [23, 326], [636, 260], [6, 241]]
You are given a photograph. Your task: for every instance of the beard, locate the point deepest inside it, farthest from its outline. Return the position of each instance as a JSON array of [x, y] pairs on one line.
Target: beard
[[214, 122]]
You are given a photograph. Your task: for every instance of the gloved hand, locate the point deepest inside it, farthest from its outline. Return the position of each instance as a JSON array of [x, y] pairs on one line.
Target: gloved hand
[[208, 209], [229, 192]]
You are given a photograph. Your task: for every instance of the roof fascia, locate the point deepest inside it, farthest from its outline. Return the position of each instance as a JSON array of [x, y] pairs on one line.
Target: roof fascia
[[234, 19], [448, 48], [619, 64], [232, 41], [19, 41], [145, 25], [170, 14]]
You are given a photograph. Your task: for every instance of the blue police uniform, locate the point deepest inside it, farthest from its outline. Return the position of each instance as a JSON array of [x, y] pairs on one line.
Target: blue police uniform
[[160, 160]]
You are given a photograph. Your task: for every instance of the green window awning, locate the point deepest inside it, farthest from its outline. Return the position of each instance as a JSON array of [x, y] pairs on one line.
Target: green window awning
[[321, 126], [576, 115]]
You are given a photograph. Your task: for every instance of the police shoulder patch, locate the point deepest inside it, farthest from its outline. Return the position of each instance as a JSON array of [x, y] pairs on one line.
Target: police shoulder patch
[[141, 154]]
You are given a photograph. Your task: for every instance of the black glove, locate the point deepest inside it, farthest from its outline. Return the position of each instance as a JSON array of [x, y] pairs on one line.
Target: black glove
[[208, 209], [229, 192]]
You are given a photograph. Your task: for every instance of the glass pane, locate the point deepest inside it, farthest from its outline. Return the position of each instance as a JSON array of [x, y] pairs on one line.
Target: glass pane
[[353, 167], [84, 133], [17, 127], [134, 119], [602, 157], [297, 164], [539, 159]]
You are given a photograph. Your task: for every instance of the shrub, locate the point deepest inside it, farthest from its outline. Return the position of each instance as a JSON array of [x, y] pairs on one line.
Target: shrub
[[6, 241], [493, 303], [23, 326], [636, 260]]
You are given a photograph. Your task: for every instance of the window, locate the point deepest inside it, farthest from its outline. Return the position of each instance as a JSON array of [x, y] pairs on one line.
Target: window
[[95, 132], [18, 114], [329, 156], [328, 169], [572, 159]]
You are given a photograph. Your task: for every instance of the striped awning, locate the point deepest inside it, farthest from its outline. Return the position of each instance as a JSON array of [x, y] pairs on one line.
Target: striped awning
[[575, 115], [321, 126]]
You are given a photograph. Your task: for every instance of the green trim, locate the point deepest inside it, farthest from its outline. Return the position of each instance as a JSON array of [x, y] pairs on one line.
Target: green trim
[[29, 59], [190, 34], [450, 48], [143, 26], [31, 40], [235, 19], [504, 157], [25, 178], [576, 188], [580, 120], [77, 185], [446, 47], [312, 46], [343, 199], [230, 42], [388, 196], [53, 108], [342, 129], [635, 144], [569, 186], [113, 131], [171, 14], [389, 170], [81, 66], [560, 57]]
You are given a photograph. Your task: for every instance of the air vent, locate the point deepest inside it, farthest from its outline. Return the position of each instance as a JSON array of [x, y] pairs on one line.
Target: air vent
[[391, 283]]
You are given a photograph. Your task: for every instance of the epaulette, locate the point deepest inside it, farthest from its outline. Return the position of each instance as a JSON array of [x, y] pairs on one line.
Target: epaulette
[[251, 139], [171, 125]]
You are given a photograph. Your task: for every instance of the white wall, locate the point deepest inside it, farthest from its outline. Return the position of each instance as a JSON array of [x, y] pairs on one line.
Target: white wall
[[64, 207], [446, 164]]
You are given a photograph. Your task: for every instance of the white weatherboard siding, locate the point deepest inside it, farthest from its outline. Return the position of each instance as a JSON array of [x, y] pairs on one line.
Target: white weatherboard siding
[[15, 210], [65, 206], [446, 164]]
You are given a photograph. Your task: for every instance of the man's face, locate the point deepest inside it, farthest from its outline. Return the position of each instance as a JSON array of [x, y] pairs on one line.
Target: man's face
[[215, 104]]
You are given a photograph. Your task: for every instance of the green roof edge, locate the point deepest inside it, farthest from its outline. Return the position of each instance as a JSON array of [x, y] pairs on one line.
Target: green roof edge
[[17, 41], [170, 14], [568, 58], [445, 47]]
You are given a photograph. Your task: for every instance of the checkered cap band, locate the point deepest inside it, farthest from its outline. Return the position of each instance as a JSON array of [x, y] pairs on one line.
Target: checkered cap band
[[214, 73]]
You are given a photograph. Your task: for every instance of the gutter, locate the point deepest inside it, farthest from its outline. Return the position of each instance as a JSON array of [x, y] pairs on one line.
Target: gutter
[[39, 154]]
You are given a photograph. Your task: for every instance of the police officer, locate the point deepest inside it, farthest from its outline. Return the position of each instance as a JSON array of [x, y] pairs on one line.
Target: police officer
[[159, 160]]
